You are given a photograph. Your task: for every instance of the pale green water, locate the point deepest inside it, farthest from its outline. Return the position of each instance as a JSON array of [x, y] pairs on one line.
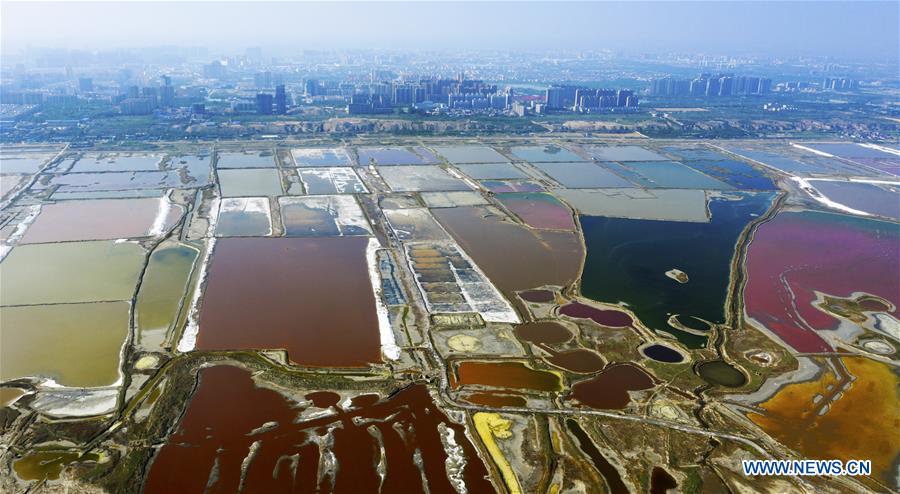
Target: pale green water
[[162, 290], [70, 272], [75, 344]]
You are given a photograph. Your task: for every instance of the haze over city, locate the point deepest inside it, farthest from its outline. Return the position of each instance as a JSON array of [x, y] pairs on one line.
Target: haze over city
[[839, 29]]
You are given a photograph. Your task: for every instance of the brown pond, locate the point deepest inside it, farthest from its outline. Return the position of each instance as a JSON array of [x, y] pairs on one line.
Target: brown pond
[[495, 400], [609, 389], [99, 219], [546, 332], [512, 256], [579, 361], [509, 374], [311, 296], [222, 433], [661, 481], [604, 317], [537, 296]]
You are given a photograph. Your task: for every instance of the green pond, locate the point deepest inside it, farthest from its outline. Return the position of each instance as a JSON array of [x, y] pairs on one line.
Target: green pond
[[162, 290], [627, 260], [76, 345], [70, 272]]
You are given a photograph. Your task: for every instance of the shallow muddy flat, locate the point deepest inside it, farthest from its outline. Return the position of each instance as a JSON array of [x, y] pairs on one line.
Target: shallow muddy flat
[[414, 225], [244, 217], [316, 157], [114, 162], [332, 180], [453, 199], [428, 178], [322, 216]]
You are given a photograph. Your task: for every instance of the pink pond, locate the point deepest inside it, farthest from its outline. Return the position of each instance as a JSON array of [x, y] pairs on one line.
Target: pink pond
[[799, 253], [539, 210]]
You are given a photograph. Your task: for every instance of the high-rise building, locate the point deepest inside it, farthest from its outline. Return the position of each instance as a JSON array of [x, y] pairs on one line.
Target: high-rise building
[[264, 103], [280, 100], [166, 93], [726, 86], [85, 85], [312, 87], [214, 70], [263, 80]]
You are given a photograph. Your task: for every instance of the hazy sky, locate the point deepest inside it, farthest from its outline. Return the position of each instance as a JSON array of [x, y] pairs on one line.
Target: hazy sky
[[844, 29]]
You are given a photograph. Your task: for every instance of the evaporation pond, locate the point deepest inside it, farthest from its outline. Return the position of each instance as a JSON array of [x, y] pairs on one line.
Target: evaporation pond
[[80, 182], [250, 182], [507, 374], [492, 170], [539, 210], [395, 156], [102, 219], [673, 175], [624, 153], [76, 345], [470, 154], [405, 432], [244, 217], [420, 179], [21, 164], [544, 154], [797, 256], [738, 174], [319, 216], [162, 289], [118, 163], [656, 204], [333, 180], [609, 390], [311, 296], [582, 175], [512, 256], [70, 272], [321, 157], [880, 199], [627, 261], [246, 160]]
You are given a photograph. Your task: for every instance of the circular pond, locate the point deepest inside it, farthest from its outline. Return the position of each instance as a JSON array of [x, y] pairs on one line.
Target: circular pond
[[720, 373], [662, 353]]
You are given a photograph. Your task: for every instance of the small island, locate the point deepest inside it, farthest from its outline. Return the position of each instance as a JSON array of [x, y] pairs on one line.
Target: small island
[[677, 275]]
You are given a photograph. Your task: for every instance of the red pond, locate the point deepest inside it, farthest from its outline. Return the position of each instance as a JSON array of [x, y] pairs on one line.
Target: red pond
[[232, 425], [799, 253], [311, 296]]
